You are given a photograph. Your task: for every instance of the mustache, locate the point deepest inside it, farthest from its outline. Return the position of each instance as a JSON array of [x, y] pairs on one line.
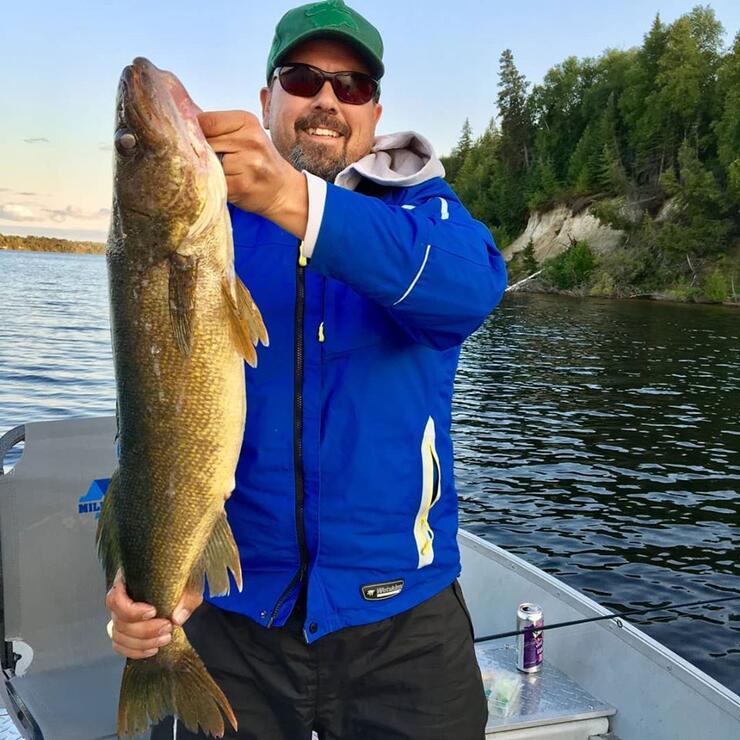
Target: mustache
[[321, 120]]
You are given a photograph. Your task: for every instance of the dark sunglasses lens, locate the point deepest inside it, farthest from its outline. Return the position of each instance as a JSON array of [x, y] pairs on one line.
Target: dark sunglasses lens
[[302, 81], [354, 88]]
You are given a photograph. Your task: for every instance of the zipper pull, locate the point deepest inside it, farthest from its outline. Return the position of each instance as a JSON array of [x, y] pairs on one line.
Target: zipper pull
[[302, 260], [321, 332]]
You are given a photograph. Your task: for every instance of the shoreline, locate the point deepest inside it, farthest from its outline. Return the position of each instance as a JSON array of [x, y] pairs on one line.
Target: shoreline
[[534, 287], [47, 244], [98, 252]]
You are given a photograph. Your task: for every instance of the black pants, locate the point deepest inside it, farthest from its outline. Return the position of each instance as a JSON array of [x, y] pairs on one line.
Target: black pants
[[411, 677]]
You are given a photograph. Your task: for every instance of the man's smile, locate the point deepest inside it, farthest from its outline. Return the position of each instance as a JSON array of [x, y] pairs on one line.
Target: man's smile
[[321, 134]]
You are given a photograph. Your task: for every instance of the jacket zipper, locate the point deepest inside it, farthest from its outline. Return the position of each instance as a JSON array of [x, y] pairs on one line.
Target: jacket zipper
[[300, 304]]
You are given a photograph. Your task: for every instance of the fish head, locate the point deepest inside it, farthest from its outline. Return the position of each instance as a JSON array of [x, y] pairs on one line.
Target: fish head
[[169, 185]]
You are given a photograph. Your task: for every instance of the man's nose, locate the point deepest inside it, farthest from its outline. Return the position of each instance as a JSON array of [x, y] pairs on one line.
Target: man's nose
[[325, 98]]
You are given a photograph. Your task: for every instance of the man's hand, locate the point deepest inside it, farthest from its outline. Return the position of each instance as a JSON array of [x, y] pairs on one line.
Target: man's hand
[[137, 633], [258, 178]]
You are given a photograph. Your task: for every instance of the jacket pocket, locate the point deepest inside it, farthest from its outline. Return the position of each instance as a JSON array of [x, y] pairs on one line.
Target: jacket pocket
[[431, 487]]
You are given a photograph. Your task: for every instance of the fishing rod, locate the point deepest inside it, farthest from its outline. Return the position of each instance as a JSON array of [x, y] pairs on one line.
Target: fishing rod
[[627, 613]]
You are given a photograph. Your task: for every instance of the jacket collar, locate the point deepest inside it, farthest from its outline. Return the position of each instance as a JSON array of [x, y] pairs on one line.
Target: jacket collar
[[400, 160]]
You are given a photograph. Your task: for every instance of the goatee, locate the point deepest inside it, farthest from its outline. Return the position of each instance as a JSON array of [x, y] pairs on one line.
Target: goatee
[[317, 163]]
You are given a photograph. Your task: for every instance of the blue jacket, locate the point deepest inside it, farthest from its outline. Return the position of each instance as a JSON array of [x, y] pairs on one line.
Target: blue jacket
[[345, 478]]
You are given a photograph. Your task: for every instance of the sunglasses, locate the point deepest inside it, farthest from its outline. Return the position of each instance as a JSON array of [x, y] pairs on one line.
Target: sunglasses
[[305, 81]]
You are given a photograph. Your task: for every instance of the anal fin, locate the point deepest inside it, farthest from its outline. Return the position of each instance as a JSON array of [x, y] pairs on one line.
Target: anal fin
[[219, 556]]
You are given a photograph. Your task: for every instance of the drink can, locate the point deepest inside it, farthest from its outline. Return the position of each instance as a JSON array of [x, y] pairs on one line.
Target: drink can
[[529, 645]]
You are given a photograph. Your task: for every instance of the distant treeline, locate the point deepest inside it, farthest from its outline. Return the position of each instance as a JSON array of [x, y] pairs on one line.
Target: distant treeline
[[49, 244], [629, 130]]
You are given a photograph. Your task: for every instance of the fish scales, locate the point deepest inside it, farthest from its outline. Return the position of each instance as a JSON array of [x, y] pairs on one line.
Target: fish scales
[[181, 326]]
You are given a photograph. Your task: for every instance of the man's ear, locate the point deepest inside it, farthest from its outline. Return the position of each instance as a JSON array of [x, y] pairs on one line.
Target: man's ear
[[265, 95], [377, 112]]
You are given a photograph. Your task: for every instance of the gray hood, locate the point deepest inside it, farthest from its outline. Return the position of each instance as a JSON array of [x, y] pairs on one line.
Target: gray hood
[[401, 160]]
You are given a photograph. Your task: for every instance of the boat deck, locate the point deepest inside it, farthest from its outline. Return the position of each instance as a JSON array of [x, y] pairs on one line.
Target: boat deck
[[547, 704]]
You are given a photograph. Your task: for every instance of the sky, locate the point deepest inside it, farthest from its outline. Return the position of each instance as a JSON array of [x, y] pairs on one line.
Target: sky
[[60, 63]]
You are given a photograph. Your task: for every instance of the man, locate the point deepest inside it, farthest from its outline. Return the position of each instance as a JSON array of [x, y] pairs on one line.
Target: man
[[369, 274]]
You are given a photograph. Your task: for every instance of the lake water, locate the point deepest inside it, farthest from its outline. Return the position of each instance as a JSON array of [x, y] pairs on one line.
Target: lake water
[[599, 440]]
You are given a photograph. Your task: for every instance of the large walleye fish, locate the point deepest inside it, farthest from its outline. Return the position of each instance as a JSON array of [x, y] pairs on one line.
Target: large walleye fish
[[181, 324]]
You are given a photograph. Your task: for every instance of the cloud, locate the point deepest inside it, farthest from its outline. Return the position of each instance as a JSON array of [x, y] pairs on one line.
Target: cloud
[[37, 140], [105, 147], [62, 214], [16, 212], [19, 210]]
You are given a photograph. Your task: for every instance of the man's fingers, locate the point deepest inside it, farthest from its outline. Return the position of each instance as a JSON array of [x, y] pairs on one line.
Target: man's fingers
[[148, 630], [189, 602], [124, 608], [133, 643], [135, 654], [220, 122]]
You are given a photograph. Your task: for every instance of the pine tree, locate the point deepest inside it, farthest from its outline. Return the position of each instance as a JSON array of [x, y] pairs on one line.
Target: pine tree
[[727, 127], [516, 123], [508, 190], [702, 227], [465, 142], [639, 108], [529, 263], [453, 164]]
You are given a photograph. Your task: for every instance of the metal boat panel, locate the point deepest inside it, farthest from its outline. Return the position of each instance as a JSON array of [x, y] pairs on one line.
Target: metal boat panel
[[658, 694]]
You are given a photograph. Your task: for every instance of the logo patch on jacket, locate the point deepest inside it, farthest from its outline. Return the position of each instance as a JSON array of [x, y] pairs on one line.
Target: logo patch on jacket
[[378, 591]]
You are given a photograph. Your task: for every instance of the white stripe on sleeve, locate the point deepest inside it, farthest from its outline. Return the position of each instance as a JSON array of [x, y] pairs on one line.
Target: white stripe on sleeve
[[445, 210], [416, 278]]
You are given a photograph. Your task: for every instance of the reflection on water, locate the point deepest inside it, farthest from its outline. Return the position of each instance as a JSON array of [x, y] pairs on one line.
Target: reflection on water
[[600, 440]]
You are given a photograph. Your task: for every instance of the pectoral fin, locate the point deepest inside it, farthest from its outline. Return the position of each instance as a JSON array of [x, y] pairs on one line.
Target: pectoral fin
[[246, 319], [220, 554], [183, 278]]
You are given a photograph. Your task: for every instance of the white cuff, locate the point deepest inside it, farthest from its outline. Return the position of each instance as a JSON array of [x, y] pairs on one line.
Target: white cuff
[[316, 200]]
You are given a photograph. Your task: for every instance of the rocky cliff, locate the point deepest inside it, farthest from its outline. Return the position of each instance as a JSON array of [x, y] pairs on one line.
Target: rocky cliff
[[554, 231]]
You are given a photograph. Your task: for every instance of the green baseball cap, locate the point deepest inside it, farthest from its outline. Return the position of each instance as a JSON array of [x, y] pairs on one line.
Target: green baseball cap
[[327, 19]]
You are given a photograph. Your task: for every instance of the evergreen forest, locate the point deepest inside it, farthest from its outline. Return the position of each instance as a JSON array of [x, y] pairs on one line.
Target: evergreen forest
[[647, 139]]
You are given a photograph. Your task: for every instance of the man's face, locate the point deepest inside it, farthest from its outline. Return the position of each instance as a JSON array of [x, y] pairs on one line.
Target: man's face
[[289, 117]]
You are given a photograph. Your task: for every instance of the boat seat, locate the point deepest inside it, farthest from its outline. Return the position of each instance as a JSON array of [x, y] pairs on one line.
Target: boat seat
[[547, 704], [67, 680]]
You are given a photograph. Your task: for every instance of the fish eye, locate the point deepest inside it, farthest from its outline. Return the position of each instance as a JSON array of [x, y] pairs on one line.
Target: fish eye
[[125, 141]]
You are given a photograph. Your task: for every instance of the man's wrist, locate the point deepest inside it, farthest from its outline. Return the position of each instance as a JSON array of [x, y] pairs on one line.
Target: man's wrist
[[289, 209]]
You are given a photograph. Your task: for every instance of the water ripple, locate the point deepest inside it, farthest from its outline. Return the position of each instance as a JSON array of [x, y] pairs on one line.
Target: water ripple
[[598, 439]]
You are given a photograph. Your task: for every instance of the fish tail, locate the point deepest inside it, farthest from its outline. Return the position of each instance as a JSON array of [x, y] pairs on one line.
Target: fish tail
[[173, 682]]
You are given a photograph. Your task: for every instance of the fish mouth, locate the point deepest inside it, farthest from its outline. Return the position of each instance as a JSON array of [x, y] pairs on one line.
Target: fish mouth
[[158, 108]]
